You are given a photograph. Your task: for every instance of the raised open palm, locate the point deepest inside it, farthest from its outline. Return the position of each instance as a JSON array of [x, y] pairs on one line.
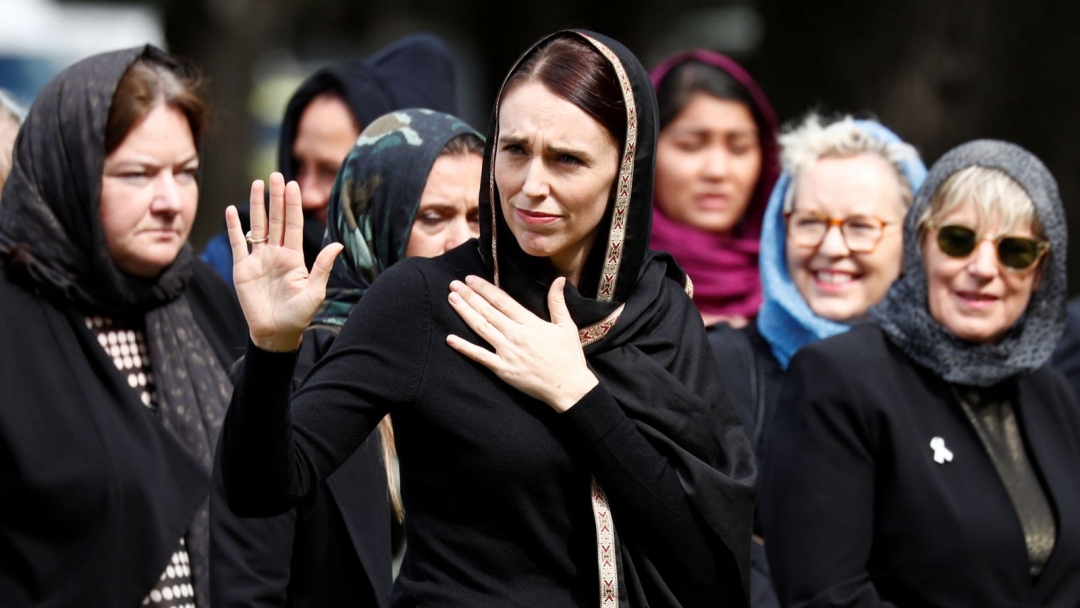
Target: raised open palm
[[278, 295]]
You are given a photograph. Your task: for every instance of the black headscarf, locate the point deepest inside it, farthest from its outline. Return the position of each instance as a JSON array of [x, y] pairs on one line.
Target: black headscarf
[[375, 199], [414, 72], [51, 232], [904, 313], [644, 340]]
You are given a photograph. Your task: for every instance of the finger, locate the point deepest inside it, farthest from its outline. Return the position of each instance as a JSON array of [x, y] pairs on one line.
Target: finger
[[499, 299], [320, 272], [476, 321], [257, 209], [294, 217], [479, 354], [236, 235], [277, 209], [560, 315], [481, 305]]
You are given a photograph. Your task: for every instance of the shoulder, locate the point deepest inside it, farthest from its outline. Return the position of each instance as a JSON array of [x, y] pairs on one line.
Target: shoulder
[[865, 347]]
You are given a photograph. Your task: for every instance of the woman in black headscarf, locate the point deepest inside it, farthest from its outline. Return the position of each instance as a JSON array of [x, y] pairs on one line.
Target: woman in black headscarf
[[408, 188], [116, 342], [599, 465], [929, 458], [326, 114]]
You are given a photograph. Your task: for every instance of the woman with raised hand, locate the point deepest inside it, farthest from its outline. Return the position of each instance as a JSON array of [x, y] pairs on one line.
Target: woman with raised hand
[[409, 187], [563, 438], [831, 246], [716, 163], [929, 458], [116, 343]]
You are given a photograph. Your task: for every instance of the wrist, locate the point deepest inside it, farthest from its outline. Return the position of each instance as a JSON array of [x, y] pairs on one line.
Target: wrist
[[567, 394], [277, 343]]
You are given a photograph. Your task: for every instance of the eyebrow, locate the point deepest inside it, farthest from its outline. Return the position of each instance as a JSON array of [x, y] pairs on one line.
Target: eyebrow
[[551, 150], [701, 130], [147, 163]]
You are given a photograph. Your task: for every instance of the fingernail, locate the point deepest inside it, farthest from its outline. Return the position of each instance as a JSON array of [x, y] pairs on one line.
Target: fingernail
[[454, 298], [471, 279], [456, 285]]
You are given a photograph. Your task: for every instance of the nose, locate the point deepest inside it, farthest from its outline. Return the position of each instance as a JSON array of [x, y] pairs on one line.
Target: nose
[[166, 194], [536, 184], [983, 262], [313, 193], [833, 244], [716, 163], [457, 233]]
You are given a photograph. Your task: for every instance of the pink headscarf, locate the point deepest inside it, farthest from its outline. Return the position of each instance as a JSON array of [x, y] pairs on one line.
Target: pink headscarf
[[724, 268]]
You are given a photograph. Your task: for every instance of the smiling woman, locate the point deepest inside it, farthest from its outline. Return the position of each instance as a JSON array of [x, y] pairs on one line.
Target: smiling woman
[[933, 451], [563, 438], [116, 336]]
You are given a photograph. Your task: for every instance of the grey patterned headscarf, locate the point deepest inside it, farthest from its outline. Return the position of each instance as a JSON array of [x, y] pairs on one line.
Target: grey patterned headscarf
[[905, 316]]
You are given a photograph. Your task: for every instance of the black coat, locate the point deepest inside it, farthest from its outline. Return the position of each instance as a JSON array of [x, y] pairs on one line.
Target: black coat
[[333, 549], [859, 513], [94, 491]]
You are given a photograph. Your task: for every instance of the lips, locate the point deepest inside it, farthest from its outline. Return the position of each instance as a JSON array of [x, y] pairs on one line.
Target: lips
[[976, 298], [713, 201], [833, 278], [535, 218]]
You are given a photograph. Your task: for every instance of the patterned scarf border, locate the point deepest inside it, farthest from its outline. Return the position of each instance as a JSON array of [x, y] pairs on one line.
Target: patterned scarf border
[[605, 548], [617, 236]]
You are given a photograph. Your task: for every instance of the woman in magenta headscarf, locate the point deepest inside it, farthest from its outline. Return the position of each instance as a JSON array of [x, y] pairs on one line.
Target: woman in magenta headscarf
[[716, 163]]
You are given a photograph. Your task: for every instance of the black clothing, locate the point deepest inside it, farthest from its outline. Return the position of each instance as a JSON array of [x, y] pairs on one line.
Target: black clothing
[[1066, 357], [54, 245], [331, 550], [495, 484], [862, 509], [752, 378], [96, 491]]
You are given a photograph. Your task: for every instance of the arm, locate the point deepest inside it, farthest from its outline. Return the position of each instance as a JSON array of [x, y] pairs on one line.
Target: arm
[[276, 452], [817, 503], [251, 557]]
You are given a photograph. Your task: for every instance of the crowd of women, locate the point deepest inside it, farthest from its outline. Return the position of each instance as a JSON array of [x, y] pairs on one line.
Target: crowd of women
[[637, 346]]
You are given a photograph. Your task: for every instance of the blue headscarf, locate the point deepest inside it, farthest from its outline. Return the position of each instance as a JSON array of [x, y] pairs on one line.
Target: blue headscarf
[[786, 321]]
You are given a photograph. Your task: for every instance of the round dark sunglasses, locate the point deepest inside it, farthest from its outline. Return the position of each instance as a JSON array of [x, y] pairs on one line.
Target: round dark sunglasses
[[1013, 252]]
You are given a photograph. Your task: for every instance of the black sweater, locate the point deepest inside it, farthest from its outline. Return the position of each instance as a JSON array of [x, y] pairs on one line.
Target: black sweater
[[496, 484]]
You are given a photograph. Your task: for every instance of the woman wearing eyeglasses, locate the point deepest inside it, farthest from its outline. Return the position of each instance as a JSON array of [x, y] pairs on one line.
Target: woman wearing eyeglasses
[[831, 246], [929, 458]]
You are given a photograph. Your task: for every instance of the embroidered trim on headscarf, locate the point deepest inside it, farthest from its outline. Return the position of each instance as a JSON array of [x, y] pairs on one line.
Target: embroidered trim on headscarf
[[689, 287], [625, 182], [605, 548], [596, 332]]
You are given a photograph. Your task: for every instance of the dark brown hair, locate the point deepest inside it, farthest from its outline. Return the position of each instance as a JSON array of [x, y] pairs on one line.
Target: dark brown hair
[[155, 79], [684, 81], [574, 70], [464, 145]]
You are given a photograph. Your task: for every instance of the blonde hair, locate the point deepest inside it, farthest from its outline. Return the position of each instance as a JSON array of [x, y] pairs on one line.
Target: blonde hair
[[996, 195], [390, 466], [814, 139]]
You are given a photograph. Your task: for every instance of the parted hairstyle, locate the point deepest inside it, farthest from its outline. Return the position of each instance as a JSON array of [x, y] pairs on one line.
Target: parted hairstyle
[[153, 80], [577, 72]]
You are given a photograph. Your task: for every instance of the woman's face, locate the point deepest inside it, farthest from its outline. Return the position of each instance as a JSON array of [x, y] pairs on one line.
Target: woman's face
[[708, 161], [975, 297], [555, 169], [324, 135], [837, 283], [149, 193], [449, 212]]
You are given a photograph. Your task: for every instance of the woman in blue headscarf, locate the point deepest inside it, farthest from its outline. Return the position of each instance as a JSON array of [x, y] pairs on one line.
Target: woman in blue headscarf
[[831, 245], [408, 188]]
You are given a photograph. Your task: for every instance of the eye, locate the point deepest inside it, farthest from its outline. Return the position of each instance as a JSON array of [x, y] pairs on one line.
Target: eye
[[569, 159], [689, 144], [430, 219], [806, 220], [513, 149], [862, 224]]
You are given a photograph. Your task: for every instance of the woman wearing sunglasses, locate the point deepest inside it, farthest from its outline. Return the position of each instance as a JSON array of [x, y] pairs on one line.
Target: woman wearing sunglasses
[[929, 458]]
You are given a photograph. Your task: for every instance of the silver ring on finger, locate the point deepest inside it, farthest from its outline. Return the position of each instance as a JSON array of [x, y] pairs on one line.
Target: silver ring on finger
[[254, 241]]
